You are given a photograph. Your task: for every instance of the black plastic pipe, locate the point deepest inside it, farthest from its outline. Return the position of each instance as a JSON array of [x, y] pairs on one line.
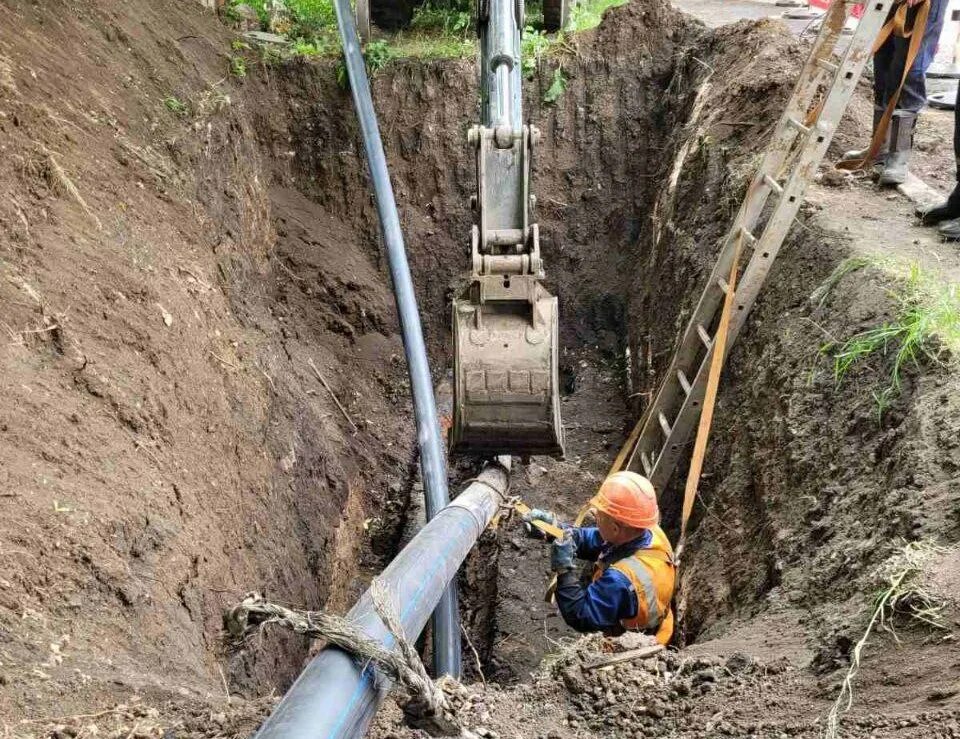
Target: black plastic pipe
[[433, 466], [337, 695]]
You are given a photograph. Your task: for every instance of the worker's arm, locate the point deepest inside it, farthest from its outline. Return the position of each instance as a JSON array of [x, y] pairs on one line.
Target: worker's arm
[[597, 607], [587, 541]]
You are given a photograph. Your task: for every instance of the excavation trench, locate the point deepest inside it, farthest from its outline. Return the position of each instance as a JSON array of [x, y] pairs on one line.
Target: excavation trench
[[625, 246], [221, 277]]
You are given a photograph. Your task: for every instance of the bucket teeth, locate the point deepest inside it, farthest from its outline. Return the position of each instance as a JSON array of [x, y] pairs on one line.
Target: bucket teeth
[[506, 379]]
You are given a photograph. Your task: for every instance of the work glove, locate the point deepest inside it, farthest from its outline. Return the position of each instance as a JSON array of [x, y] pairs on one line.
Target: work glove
[[538, 515], [562, 554]]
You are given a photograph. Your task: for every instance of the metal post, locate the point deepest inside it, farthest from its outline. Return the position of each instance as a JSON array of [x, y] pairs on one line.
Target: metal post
[[336, 696], [446, 621]]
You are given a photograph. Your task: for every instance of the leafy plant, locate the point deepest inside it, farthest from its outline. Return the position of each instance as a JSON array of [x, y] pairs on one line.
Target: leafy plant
[[902, 594], [238, 66], [377, 54], [533, 45], [175, 105], [239, 45], [260, 6], [557, 87], [453, 18]]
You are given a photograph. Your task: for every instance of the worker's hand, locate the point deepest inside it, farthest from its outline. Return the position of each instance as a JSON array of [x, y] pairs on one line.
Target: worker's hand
[[538, 515], [562, 553], [911, 3]]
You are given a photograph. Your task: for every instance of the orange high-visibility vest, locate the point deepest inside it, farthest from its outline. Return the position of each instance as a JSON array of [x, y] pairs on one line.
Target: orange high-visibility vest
[[652, 574]]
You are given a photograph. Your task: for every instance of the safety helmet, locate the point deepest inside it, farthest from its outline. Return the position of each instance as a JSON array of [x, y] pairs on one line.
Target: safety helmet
[[628, 498]]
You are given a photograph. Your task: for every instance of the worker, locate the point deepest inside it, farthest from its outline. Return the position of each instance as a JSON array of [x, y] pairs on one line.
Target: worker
[[890, 163], [633, 573]]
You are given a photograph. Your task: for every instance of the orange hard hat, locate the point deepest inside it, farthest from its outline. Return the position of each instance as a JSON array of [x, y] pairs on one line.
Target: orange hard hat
[[628, 498]]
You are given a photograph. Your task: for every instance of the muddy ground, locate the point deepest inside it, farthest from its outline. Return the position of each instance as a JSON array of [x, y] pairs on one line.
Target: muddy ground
[[175, 277]]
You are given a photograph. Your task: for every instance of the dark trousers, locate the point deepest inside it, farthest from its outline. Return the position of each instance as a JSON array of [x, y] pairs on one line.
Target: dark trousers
[[890, 59]]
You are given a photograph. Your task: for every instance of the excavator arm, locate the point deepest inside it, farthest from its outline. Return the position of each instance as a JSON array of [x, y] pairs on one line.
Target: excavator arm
[[506, 378]]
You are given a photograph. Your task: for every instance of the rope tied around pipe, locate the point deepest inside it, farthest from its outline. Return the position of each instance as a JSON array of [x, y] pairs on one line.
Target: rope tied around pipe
[[429, 705]]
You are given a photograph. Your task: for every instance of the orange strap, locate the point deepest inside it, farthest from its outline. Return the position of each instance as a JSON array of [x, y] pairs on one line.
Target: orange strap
[[709, 398], [896, 25]]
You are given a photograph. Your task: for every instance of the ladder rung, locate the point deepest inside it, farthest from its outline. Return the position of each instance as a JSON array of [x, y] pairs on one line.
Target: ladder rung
[[773, 184], [704, 336], [829, 66], [664, 424], [748, 236], [645, 461], [684, 382], [798, 125], [723, 285]]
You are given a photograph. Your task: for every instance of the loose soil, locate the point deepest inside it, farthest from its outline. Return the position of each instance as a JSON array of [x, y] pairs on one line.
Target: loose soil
[[181, 248]]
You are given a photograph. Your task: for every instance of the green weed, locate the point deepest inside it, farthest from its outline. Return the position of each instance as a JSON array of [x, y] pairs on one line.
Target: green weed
[[238, 66], [587, 14], [451, 18], [175, 105], [377, 54], [557, 87], [534, 44], [852, 264], [925, 326], [902, 594]]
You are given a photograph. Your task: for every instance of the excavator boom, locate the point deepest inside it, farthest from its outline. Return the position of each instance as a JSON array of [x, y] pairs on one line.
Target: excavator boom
[[506, 378]]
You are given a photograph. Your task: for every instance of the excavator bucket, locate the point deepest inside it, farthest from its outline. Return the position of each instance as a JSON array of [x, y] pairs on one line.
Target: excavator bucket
[[506, 380]]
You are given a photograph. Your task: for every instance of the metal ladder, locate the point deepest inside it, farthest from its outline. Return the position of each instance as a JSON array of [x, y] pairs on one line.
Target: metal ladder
[[799, 142]]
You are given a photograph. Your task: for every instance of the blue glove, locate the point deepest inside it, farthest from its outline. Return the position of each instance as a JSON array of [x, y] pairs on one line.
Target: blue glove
[[562, 554], [538, 515]]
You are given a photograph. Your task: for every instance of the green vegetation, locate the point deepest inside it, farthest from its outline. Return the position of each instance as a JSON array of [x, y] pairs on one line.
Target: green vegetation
[[925, 327], [902, 594], [557, 87], [587, 14], [238, 66], [440, 29], [451, 18], [175, 105]]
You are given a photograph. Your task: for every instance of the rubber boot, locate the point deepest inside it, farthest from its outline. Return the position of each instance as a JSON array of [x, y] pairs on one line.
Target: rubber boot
[[901, 143], [879, 161]]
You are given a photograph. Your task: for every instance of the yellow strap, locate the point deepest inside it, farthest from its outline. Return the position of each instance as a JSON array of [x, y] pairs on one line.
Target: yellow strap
[[710, 397], [896, 25]]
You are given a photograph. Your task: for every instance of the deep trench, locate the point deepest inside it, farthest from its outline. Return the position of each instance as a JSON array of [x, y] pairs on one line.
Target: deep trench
[[599, 176], [596, 174]]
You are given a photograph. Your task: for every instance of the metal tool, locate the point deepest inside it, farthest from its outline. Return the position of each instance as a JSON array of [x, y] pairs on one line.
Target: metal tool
[[799, 142], [506, 378]]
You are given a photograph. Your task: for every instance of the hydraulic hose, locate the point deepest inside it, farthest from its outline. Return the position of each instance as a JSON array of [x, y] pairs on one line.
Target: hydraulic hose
[[433, 467], [337, 696]]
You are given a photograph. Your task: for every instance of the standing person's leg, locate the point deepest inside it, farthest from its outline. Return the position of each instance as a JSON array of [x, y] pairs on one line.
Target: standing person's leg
[[913, 97], [883, 61]]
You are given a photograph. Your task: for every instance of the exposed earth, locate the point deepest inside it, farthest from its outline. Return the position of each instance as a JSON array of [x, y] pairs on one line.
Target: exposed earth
[[177, 279]]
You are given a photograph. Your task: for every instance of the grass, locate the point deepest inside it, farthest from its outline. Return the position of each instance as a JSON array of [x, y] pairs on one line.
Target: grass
[[901, 595], [440, 29], [925, 328], [587, 14]]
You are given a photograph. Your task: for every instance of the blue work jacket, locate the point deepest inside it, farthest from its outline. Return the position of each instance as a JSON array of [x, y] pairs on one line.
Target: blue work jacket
[[608, 600]]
